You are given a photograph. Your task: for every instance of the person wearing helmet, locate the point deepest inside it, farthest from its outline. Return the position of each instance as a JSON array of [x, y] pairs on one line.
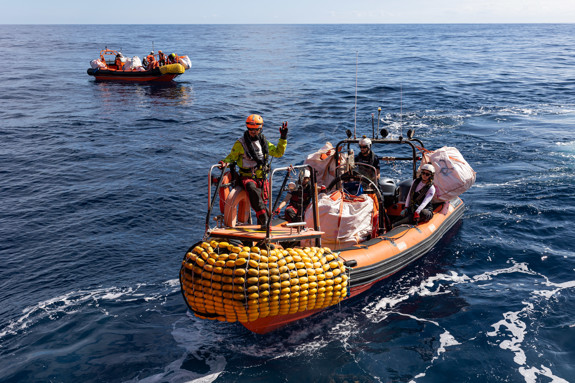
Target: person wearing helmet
[[367, 156], [418, 206], [298, 198], [173, 58], [118, 61], [161, 58], [151, 60], [251, 153]]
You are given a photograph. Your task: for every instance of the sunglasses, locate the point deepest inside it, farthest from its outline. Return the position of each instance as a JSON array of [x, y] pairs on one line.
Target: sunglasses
[[363, 147], [426, 174]]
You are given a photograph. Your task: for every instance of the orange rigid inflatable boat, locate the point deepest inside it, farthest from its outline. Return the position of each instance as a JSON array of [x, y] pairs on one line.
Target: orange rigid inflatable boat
[[106, 69], [267, 277]]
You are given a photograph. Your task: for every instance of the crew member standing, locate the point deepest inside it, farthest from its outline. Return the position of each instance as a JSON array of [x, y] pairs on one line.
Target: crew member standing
[[152, 63], [251, 152], [161, 58]]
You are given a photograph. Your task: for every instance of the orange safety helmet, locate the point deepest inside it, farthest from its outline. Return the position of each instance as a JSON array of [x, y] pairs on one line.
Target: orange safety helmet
[[254, 121]]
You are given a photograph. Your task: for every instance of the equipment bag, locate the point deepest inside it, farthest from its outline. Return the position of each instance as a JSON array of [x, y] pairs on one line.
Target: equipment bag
[[324, 163], [346, 220], [453, 175], [186, 62], [97, 64]]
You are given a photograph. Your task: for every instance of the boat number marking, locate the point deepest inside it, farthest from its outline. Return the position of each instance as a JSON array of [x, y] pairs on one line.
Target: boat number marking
[[401, 246], [432, 228]]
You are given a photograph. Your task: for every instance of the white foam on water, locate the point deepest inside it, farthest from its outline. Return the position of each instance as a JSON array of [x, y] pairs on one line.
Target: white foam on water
[[66, 304], [511, 330], [530, 374], [558, 287], [196, 338], [568, 143], [376, 311], [432, 286], [516, 327], [77, 301]]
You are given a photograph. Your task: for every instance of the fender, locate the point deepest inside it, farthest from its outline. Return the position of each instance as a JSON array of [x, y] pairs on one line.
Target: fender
[[237, 208]]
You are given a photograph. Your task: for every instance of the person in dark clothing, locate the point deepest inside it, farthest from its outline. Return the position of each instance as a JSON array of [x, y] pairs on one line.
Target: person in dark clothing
[[251, 153], [298, 199], [367, 156]]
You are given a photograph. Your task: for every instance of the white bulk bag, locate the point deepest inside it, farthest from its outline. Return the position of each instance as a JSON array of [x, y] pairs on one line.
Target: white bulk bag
[[186, 62], [97, 64], [345, 221], [453, 175], [324, 163], [128, 65], [136, 62]]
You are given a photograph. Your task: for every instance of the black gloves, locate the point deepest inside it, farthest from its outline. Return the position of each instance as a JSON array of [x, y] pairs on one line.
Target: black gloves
[[284, 130]]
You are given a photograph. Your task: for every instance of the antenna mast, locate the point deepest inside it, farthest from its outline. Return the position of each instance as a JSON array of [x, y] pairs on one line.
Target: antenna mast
[[401, 110], [355, 114]]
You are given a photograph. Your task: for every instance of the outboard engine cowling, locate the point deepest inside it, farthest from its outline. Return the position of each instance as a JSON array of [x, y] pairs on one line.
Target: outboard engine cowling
[[404, 187], [388, 190]]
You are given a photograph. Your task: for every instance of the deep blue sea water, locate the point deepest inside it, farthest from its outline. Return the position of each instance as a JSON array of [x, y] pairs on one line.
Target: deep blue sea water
[[103, 189]]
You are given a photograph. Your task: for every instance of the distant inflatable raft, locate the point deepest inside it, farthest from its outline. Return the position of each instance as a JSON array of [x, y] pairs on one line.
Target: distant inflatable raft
[[224, 282]]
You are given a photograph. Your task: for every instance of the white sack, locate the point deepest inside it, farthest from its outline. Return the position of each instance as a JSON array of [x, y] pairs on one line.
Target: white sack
[[136, 62], [95, 64], [324, 162], [128, 64], [453, 175], [345, 222], [186, 62]]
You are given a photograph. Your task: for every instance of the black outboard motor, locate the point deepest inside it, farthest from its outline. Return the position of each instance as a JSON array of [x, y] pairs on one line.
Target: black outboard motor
[[388, 191], [403, 190]]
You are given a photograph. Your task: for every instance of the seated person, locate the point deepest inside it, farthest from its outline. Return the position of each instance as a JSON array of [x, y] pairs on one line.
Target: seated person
[[298, 199], [418, 207]]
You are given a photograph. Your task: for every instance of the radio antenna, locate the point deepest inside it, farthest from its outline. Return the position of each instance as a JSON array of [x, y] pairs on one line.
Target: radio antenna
[[355, 113], [401, 110], [378, 114]]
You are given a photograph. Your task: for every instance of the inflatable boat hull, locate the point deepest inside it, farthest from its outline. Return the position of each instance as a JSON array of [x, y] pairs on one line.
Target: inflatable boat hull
[[154, 75], [379, 258]]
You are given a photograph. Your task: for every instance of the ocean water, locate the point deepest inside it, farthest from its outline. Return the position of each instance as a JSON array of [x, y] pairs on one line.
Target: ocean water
[[103, 189]]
